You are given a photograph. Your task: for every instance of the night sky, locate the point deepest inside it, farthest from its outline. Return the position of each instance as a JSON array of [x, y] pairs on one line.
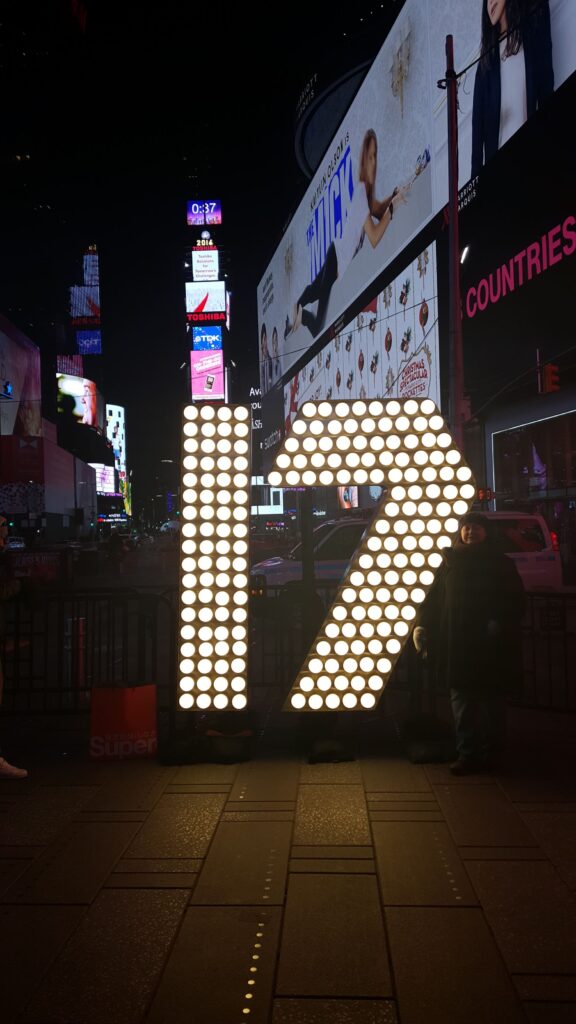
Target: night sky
[[123, 124]]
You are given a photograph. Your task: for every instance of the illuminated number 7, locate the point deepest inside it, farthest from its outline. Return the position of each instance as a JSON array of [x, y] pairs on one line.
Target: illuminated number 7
[[406, 448]]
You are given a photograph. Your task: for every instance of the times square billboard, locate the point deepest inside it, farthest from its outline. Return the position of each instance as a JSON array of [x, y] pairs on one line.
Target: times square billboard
[[390, 349], [207, 376], [105, 479], [205, 302], [203, 211], [205, 263], [79, 399], [392, 147]]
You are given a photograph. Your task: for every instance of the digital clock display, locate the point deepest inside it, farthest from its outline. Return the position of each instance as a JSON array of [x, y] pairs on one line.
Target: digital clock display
[[204, 211]]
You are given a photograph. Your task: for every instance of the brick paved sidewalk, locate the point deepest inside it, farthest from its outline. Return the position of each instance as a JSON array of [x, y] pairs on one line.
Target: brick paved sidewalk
[[369, 892]]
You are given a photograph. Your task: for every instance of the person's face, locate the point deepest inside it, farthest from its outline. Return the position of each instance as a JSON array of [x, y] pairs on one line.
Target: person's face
[[371, 162], [472, 533], [89, 400], [496, 11], [3, 531]]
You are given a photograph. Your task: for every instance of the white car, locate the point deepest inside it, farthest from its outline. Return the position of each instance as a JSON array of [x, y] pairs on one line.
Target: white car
[[335, 541], [525, 536], [527, 539]]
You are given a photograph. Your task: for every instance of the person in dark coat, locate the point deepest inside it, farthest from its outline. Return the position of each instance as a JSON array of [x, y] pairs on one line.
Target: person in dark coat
[[471, 622], [514, 76]]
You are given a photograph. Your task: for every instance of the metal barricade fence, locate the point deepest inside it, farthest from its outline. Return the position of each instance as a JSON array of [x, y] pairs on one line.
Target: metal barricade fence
[[54, 652], [281, 640]]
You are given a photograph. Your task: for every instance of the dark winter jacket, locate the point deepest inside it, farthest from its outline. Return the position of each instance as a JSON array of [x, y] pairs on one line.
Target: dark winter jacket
[[537, 47], [473, 616]]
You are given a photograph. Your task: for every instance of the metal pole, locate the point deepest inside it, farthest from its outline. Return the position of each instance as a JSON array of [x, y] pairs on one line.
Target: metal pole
[[455, 316], [308, 575]]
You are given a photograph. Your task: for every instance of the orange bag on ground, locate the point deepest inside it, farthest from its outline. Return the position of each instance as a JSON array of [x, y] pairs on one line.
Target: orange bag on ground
[[123, 723]]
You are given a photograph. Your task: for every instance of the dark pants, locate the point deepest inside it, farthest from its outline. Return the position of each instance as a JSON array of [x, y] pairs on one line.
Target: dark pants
[[319, 291], [479, 723]]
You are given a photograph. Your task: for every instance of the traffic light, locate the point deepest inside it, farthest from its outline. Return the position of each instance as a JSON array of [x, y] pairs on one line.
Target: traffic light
[[551, 378]]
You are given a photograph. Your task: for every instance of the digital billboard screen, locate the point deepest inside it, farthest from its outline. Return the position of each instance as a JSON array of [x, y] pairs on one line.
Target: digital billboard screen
[[72, 365], [116, 434], [21, 413], [105, 479], [85, 303], [205, 211], [205, 297], [207, 376], [385, 173], [207, 338], [79, 397], [389, 350], [89, 342], [91, 268], [347, 497], [205, 263]]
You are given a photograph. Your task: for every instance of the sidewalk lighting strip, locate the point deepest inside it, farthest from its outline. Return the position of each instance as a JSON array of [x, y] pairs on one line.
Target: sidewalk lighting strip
[[214, 557], [405, 447]]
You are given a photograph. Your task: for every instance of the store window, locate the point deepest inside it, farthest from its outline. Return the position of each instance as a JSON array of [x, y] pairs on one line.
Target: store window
[[537, 460]]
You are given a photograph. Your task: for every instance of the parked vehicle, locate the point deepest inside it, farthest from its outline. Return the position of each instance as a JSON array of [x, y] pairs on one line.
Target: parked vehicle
[[534, 548], [171, 525], [525, 536], [15, 543], [335, 541]]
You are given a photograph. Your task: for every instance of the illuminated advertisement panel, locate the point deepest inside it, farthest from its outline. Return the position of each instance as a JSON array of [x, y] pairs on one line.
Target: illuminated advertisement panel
[[205, 297], [385, 173], [205, 211], [72, 365], [80, 398], [206, 318], [207, 339], [213, 211], [89, 343], [85, 303], [91, 268], [21, 407], [205, 263], [116, 434], [228, 294], [207, 376], [390, 350], [105, 480]]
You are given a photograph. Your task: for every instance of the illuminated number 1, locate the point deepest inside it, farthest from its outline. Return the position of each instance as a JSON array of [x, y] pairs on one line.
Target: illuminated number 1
[[214, 556], [406, 448]]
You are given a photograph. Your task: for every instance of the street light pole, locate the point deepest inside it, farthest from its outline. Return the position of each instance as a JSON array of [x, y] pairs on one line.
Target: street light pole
[[456, 396]]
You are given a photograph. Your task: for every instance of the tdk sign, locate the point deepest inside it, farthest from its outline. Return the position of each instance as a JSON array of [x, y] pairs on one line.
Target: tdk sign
[[207, 339]]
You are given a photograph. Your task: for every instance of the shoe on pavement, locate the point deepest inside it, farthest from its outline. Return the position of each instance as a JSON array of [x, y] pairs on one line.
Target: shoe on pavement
[[9, 771], [468, 767]]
